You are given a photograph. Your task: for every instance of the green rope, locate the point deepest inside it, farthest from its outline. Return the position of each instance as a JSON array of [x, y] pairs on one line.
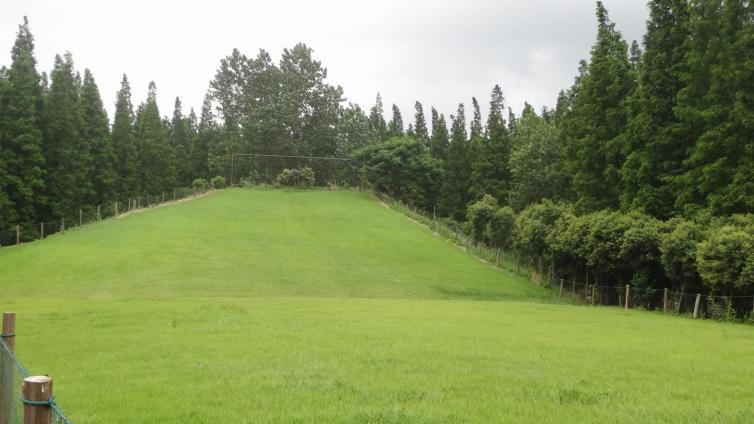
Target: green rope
[[50, 402], [5, 336]]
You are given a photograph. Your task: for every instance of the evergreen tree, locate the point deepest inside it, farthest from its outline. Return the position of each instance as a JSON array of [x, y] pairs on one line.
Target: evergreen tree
[[180, 141], [395, 126], [438, 143], [207, 133], [511, 121], [477, 130], [156, 161], [377, 119], [455, 191], [21, 134], [124, 143], [596, 135], [67, 152], [658, 149], [420, 125], [491, 168], [96, 134]]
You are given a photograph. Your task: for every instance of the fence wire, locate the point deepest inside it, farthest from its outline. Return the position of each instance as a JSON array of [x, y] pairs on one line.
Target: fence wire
[[12, 374]]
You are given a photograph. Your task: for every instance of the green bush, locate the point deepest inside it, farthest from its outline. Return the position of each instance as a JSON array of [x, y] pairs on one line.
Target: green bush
[[218, 182], [200, 183], [301, 177], [502, 224], [479, 215]]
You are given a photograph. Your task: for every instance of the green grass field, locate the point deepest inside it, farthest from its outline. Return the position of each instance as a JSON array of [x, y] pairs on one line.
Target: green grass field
[[313, 306]]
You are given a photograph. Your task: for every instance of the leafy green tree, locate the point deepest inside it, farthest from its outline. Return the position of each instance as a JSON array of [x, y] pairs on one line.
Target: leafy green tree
[[420, 125], [395, 126], [438, 143], [229, 89], [678, 249], [21, 134], [658, 149], [354, 130], [533, 225], [479, 215], [96, 134], [457, 171], [67, 152], [124, 143], [377, 119], [501, 228], [724, 259], [156, 160]]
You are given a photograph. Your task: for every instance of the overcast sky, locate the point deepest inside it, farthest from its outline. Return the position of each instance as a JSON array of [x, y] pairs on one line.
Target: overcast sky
[[435, 51]]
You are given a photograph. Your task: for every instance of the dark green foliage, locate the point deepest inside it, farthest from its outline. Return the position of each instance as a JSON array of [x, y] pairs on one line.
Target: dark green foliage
[[377, 119], [678, 249], [200, 183], [455, 193], [400, 167], [479, 215], [438, 143], [21, 134], [181, 140], [156, 160], [124, 143], [395, 126], [725, 259], [299, 177], [218, 182], [96, 134], [533, 225], [491, 153], [67, 152], [354, 131], [502, 226], [420, 125]]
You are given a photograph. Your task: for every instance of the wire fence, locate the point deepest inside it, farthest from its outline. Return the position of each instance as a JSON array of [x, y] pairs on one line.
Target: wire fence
[[27, 232], [12, 375], [733, 308]]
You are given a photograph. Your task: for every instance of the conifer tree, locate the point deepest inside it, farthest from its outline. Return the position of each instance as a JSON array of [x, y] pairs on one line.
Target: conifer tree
[[420, 125], [124, 143], [491, 167], [377, 119], [206, 135], [180, 141], [68, 154], [455, 191], [156, 161], [438, 143], [395, 126], [477, 130], [96, 134], [21, 134]]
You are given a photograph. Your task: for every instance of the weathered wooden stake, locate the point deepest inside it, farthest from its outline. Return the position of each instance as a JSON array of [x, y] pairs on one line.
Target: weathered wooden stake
[[573, 285], [81, 217], [696, 304], [62, 225], [561, 288], [37, 389], [99, 216], [18, 234], [7, 368], [665, 300], [594, 287], [497, 258], [41, 230], [628, 294], [116, 208]]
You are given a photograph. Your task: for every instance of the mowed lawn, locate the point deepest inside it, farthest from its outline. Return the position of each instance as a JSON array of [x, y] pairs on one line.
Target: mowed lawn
[[315, 306]]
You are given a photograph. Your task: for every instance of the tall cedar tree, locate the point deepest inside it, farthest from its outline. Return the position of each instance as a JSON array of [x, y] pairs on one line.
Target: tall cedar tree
[[596, 136], [156, 161], [457, 171], [377, 119], [420, 125], [124, 144], [395, 126], [491, 168], [438, 143], [477, 149], [181, 135], [207, 133], [67, 152], [21, 135], [96, 134], [657, 148]]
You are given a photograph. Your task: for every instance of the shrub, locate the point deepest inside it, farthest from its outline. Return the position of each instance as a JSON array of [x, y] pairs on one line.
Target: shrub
[[301, 177], [218, 182], [726, 259], [200, 183], [479, 215], [502, 223]]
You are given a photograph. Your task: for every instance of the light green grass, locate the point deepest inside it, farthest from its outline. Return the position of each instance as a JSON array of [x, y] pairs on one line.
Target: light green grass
[[289, 306]]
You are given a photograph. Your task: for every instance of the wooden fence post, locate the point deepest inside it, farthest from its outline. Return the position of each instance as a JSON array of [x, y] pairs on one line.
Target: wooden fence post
[[174, 195], [18, 234], [665, 300], [573, 285], [41, 230], [561, 288], [116, 208], [62, 225], [497, 257], [696, 304], [99, 216], [37, 389], [7, 367], [628, 294], [594, 294], [81, 217]]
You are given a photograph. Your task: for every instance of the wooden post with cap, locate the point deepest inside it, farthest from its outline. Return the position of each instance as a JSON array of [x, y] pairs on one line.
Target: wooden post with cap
[[37, 392], [7, 367]]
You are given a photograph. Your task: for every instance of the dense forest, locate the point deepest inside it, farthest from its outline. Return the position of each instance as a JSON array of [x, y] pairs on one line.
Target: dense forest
[[642, 172]]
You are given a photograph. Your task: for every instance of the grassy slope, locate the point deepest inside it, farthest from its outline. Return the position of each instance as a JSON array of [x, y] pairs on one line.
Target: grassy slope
[[326, 307]]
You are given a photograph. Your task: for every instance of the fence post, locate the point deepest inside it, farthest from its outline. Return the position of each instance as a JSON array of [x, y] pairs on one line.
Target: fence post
[[81, 217], [99, 216], [497, 257], [174, 195], [41, 230], [116, 208], [665, 300], [18, 234], [573, 285], [561, 288], [62, 225], [696, 304], [163, 197], [38, 392], [6, 384], [594, 295], [628, 294]]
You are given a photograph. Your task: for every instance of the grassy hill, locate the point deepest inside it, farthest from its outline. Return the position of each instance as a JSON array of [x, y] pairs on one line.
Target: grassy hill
[[315, 306]]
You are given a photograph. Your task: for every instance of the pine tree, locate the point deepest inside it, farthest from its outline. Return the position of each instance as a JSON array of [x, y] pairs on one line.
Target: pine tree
[[156, 161], [67, 152], [455, 190], [658, 149], [438, 143], [477, 130], [21, 134], [205, 137], [377, 119], [420, 125], [124, 143], [491, 168], [180, 140], [395, 126], [96, 134]]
